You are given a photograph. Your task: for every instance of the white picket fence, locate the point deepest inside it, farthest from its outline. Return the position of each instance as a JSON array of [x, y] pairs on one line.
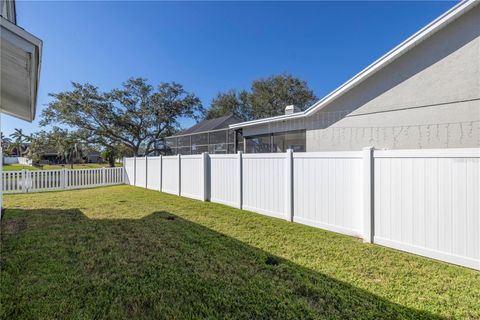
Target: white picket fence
[[422, 201], [63, 179]]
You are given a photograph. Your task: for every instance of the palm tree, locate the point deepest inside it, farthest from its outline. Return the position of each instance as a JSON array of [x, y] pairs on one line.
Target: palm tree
[[18, 141], [71, 153], [5, 141]]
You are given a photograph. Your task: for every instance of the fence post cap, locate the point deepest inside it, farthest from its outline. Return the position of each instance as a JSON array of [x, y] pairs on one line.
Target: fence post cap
[[368, 148]]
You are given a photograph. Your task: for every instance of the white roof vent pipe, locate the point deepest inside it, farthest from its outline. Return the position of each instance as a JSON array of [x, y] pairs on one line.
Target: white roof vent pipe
[[292, 109]]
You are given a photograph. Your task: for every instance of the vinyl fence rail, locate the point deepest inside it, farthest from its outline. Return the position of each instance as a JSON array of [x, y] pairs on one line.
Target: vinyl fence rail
[[63, 179], [422, 201]]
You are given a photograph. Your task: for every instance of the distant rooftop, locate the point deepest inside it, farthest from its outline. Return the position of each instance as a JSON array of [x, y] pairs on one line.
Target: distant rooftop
[[211, 124]]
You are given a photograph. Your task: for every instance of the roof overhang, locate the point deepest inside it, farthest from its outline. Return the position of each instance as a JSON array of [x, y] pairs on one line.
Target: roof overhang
[[423, 34], [20, 59]]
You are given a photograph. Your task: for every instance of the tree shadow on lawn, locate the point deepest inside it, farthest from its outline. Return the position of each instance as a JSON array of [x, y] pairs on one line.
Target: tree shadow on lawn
[[61, 264]]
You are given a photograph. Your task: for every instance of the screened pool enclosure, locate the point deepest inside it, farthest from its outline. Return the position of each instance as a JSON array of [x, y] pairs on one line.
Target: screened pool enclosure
[[214, 141]]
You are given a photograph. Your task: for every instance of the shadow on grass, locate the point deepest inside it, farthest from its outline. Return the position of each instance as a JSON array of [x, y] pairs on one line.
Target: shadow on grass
[[60, 264]]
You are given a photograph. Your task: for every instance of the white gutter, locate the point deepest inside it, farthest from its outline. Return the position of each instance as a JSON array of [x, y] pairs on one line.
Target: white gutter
[[380, 63], [36, 42]]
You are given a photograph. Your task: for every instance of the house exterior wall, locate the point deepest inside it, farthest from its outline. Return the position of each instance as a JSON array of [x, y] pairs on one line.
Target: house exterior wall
[[7, 10], [427, 98]]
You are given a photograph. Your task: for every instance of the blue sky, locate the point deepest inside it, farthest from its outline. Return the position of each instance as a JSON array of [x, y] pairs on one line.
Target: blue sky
[[212, 46]]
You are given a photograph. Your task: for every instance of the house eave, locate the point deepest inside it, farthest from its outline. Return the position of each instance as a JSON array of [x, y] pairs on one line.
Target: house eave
[[407, 45], [20, 70]]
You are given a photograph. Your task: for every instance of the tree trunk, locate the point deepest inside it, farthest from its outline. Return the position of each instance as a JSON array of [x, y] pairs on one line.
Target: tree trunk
[[111, 161]]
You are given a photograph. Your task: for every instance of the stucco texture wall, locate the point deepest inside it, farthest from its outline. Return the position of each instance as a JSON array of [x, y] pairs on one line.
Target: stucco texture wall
[[428, 98]]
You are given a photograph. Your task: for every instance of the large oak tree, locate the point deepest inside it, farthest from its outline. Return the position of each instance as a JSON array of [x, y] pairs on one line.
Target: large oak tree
[[268, 97], [137, 115]]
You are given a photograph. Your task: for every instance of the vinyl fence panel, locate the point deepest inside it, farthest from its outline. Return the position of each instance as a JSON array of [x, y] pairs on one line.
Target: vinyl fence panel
[[225, 179], [12, 181], [427, 202], [50, 180], [129, 165], [170, 174], [154, 171], [192, 176], [327, 191], [264, 189], [44, 180], [141, 172], [113, 176], [422, 201]]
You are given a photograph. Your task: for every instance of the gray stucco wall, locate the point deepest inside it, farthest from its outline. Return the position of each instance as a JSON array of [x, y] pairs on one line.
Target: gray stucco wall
[[428, 98]]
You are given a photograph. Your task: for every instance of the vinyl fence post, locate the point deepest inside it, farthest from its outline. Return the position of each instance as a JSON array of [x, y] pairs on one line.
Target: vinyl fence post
[[66, 173], [161, 172], [104, 182], [179, 174], [240, 179], [134, 170], [146, 172], [206, 177], [289, 185], [368, 193], [124, 170], [24, 181], [62, 179]]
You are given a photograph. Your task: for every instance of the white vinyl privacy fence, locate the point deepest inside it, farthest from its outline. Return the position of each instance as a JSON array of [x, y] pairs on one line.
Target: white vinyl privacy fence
[[422, 201], [63, 179]]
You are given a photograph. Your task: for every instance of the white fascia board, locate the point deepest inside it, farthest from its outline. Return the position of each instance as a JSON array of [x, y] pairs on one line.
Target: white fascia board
[[29, 43], [380, 63]]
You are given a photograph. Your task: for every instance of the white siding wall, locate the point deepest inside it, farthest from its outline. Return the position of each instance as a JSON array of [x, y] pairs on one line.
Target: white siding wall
[[264, 189], [192, 176], [429, 203], [225, 179], [170, 174], [327, 190], [153, 173]]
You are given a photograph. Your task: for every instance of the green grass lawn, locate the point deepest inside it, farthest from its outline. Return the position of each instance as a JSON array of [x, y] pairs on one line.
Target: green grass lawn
[[125, 252], [17, 167]]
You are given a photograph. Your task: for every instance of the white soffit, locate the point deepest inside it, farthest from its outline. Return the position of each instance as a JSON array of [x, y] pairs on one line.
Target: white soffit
[[20, 59]]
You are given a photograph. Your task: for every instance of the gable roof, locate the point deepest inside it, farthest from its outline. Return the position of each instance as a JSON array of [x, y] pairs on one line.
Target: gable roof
[[211, 124], [421, 35]]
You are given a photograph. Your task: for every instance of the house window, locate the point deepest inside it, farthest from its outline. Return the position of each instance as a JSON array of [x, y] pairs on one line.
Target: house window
[[277, 142], [295, 140], [259, 144]]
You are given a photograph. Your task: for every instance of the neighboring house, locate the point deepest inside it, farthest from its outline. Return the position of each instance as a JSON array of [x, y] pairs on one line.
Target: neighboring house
[[93, 157], [425, 93], [20, 58], [52, 157], [213, 136]]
